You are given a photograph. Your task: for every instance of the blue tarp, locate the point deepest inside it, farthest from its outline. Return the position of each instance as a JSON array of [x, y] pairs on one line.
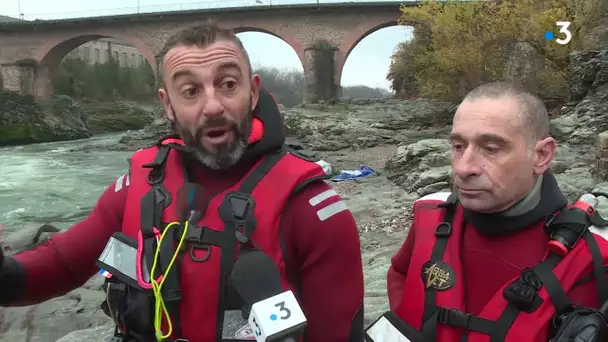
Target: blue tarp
[[345, 175]]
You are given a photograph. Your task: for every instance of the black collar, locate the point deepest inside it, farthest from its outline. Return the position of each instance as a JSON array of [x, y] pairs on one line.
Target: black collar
[[551, 200]]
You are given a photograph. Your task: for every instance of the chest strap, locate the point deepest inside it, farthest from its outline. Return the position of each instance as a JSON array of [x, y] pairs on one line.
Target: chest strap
[[521, 294], [237, 213]]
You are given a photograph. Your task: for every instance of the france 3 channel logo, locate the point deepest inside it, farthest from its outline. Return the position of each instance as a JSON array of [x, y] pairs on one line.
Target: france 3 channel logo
[[564, 32]]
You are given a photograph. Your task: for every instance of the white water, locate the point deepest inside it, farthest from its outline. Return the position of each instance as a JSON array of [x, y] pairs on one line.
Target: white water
[[49, 183]]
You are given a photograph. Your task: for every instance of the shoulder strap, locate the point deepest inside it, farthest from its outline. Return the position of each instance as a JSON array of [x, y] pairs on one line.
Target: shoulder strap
[[237, 213]]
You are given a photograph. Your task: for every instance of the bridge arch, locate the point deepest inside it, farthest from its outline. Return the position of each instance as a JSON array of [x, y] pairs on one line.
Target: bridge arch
[[50, 55], [294, 43], [349, 43]]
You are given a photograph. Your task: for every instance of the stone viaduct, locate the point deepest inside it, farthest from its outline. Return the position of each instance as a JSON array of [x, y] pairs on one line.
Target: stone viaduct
[[30, 51]]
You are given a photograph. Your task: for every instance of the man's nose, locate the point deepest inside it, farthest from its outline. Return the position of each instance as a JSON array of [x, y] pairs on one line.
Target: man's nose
[[466, 164], [213, 106]]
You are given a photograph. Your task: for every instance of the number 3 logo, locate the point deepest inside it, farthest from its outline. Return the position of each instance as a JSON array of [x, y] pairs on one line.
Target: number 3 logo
[[282, 308], [563, 28]]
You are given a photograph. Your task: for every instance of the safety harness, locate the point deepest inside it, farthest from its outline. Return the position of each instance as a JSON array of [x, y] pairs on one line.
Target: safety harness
[[237, 214], [521, 294]]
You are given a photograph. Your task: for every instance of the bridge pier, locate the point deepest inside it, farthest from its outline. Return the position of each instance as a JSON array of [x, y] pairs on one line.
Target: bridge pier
[[320, 69], [18, 77]]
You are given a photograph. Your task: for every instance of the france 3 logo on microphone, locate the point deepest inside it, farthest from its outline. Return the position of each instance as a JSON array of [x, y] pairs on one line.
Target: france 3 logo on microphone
[[564, 35], [277, 318]]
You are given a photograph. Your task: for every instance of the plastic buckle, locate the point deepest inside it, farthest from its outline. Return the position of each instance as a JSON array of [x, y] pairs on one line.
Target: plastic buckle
[[522, 292], [444, 229], [453, 317]]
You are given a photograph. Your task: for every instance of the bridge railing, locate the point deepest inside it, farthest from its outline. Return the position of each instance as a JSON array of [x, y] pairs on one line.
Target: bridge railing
[[178, 7]]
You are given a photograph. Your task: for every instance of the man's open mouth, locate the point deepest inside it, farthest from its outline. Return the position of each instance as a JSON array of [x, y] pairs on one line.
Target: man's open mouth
[[217, 135]]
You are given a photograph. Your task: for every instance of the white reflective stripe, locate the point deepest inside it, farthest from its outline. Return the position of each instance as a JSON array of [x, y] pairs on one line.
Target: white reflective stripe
[[322, 197], [118, 185], [437, 196], [325, 166], [128, 181], [331, 210], [603, 232], [384, 331]]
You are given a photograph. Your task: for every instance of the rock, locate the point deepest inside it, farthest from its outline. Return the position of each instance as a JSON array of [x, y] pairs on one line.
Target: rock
[[363, 124], [422, 167], [25, 121], [151, 134], [55, 318], [96, 334], [589, 97], [601, 156], [27, 238], [119, 116]]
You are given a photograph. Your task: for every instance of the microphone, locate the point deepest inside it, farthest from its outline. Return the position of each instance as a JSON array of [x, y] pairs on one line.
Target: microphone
[[191, 203], [275, 314]]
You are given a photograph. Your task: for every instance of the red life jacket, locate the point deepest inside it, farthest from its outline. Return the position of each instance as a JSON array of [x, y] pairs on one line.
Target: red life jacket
[[434, 290], [157, 173]]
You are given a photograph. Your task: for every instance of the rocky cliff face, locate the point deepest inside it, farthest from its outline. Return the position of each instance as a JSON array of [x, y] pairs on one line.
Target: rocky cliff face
[[25, 121], [587, 113]]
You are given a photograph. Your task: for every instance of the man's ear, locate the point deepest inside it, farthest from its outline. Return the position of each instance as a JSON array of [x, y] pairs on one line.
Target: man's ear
[[255, 90], [164, 98], [544, 153]]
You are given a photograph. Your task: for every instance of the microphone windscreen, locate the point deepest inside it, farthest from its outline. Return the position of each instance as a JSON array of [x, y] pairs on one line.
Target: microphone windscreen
[[256, 277]]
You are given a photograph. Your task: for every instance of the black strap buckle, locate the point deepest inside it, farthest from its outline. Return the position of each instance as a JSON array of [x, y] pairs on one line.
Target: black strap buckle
[[238, 209], [444, 229], [522, 293], [454, 318]]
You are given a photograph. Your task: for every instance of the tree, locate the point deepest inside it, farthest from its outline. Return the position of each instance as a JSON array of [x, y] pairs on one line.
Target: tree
[[107, 81], [470, 42]]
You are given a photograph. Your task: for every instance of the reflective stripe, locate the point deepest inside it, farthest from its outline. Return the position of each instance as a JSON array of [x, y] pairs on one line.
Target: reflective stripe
[[118, 185], [325, 166], [128, 181], [322, 197], [437, 196], [331, 210]]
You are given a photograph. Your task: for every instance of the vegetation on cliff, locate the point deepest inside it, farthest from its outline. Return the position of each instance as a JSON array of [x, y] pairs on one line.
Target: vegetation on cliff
[[459, 45], [104, 81]]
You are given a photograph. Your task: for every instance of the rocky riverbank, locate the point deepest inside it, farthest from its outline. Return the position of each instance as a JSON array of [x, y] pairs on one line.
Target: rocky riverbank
[[404, 142], [25, 121]]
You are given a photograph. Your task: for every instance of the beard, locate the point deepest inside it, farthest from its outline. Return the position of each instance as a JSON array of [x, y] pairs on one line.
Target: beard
[[226, 155]]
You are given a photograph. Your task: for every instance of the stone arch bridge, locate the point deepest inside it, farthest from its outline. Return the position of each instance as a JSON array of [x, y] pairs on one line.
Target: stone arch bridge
[[31, 50]]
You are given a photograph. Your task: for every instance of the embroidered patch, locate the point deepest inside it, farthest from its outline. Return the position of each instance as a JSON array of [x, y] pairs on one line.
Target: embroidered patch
[[438, 275]]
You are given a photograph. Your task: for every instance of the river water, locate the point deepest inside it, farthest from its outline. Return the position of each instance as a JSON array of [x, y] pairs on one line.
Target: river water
[[50, 183]]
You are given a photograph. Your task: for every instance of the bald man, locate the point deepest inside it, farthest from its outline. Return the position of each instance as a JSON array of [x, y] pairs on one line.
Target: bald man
[[477, 264]]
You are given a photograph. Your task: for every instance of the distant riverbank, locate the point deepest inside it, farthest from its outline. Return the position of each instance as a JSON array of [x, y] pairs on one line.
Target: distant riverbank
[[24, 121]]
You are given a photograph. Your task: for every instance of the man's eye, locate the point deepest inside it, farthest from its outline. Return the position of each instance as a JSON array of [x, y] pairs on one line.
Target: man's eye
[[190, 92], [229, 84], [457, 147], [490, 149]]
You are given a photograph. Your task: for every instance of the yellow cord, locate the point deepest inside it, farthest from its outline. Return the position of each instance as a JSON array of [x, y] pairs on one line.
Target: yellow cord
[[160, 309]]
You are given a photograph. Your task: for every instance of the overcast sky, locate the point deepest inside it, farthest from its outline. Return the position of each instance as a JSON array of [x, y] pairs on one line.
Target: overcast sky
[[367, 64]]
